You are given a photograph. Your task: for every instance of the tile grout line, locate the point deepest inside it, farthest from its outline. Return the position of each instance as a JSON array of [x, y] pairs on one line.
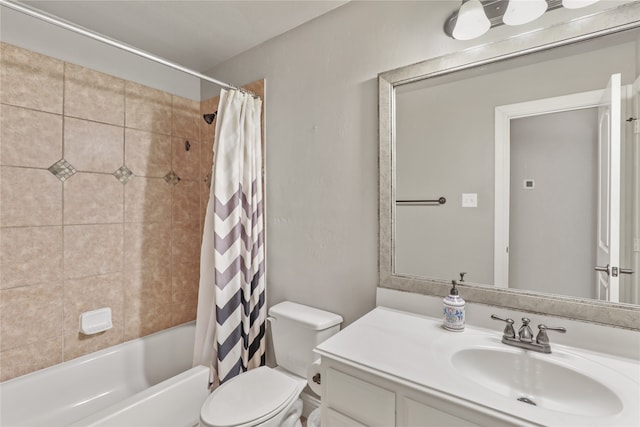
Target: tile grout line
[[123, 292], [64, 276], [171, 238]]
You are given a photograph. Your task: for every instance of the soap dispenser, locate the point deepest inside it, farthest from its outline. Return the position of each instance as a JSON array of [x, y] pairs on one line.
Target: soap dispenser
[[453, 310]]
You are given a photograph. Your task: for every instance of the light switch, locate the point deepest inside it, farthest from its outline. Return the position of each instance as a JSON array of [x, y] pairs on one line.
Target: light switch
[[469, 200]]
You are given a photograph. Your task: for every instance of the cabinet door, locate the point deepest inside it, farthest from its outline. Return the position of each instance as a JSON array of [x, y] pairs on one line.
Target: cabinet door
[[362, 401], [420, 415]]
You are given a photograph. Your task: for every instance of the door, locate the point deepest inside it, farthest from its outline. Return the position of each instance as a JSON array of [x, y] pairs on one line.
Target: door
[[608, 232], [504, 114]]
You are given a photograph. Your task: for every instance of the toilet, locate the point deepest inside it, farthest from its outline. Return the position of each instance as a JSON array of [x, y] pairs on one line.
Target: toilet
[[270, 397]]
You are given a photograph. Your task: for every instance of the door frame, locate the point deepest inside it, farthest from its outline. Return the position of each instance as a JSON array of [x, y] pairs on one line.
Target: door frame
[[502, 153], [633, 94]]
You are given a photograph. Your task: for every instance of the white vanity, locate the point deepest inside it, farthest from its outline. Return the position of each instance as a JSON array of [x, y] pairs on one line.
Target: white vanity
[[393, 368]]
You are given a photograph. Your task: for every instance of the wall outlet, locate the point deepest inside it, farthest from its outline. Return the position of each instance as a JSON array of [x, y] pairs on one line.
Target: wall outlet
[[469, 200]]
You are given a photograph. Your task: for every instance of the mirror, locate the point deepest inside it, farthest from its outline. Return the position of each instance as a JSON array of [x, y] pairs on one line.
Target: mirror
[[488, 131]]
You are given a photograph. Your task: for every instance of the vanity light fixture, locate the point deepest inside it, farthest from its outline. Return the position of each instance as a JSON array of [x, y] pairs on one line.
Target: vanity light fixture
[[521, 12], [476, 17], [471, 22]]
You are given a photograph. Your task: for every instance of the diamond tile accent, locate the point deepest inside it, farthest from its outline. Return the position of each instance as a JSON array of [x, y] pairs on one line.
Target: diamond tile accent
[[123, 174], [172, 178], [62, 170]]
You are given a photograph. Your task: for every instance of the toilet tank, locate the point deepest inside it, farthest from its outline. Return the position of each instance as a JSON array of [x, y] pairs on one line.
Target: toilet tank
[[296, 330]]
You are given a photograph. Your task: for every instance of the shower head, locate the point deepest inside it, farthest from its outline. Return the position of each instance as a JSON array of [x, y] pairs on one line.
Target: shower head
[[209, 117]]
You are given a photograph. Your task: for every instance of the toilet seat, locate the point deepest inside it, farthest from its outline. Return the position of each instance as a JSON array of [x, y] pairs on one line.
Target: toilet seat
[[249, 399]]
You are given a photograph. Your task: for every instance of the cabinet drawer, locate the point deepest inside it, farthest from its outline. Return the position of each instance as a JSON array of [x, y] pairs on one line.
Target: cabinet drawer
[[336, 419], [360, 400], [420, 415]]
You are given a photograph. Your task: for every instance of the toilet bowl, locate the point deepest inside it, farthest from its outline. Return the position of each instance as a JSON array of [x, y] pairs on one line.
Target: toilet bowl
[[270, 397], [314, 418], [260, 397]]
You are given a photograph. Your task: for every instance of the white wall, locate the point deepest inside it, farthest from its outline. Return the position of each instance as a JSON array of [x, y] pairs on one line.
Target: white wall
[[322, 140]]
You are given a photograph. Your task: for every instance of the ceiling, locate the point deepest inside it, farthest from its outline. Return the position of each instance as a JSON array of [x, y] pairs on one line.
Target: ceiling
[[196, 34]]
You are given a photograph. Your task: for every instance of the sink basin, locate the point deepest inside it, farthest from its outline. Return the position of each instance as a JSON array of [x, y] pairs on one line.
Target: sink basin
[[561, 383]]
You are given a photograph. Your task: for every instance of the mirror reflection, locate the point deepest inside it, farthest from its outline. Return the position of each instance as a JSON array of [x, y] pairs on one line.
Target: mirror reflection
[[540, 188]]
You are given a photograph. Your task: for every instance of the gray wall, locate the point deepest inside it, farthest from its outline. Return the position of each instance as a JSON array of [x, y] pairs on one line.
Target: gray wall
[[445, 146], [552, 231], [322, 140]]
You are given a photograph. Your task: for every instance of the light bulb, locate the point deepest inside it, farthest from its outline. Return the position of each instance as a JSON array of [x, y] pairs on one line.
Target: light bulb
[[472, 22], [524, 11], [577, 4]]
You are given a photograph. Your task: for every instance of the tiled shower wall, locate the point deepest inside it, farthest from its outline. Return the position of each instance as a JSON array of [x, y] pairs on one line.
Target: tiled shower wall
[[100, 207]]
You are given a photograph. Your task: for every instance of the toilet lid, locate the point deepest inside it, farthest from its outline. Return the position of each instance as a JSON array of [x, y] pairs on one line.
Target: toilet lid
[[249, 397]]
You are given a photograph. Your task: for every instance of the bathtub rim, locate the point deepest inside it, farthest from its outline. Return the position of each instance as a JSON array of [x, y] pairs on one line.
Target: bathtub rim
[[96, 354], [117, 410]]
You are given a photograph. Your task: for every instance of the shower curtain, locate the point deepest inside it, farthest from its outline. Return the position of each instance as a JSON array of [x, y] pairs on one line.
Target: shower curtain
[[230, 324]]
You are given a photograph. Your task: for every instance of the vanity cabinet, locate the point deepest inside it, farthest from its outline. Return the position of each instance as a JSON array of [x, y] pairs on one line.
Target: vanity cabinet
[[354, 397]]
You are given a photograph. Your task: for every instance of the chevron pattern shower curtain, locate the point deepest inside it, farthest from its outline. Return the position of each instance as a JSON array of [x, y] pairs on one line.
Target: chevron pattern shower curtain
[[232, 260]]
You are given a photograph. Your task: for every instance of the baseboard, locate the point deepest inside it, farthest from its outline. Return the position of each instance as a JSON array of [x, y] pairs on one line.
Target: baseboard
[[309, 403]]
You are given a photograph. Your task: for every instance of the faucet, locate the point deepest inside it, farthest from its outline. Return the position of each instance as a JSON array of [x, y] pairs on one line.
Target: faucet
[[525, 335]]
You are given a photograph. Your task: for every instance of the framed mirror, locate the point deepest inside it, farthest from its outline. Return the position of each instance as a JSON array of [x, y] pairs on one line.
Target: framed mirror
[[496, 161]]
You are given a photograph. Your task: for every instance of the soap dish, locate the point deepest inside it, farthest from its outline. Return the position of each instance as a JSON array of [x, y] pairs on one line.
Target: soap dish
[[95, 321]]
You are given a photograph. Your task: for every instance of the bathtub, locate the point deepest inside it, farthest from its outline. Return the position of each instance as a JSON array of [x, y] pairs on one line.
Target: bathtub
[[144, 382]]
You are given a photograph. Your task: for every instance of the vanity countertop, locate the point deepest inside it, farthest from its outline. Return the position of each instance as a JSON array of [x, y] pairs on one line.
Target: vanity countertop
[[415, 351]]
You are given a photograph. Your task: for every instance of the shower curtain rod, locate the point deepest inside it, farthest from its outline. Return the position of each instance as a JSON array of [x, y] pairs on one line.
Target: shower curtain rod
[[51, 19]]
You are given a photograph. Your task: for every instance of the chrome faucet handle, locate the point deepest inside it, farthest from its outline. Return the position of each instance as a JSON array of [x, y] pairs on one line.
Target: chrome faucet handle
[[525, 334], [508, 332], [542, 337]]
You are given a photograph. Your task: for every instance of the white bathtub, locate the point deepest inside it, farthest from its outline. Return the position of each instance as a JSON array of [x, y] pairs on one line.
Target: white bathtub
[[144, 382]]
